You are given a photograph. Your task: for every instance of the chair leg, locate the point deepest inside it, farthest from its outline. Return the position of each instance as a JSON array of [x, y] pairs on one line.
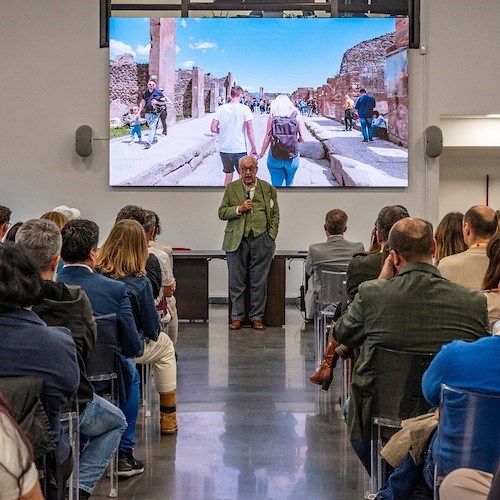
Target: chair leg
[[113, 475], [146, 388]]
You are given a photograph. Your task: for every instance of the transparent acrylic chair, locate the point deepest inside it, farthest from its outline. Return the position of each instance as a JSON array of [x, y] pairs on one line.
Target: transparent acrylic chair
[[102, 369], [468, 433]]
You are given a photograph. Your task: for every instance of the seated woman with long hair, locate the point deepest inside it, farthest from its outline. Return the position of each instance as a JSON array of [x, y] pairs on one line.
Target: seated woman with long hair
[[492, 279], [123, 257], [18, 474], [449, 237]]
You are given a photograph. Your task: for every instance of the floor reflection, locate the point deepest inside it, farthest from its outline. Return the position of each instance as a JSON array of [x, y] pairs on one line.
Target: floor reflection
[[251, 425]]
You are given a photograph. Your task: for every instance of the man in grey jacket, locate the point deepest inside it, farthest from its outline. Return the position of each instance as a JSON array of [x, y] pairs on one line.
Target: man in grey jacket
[[335, 251]]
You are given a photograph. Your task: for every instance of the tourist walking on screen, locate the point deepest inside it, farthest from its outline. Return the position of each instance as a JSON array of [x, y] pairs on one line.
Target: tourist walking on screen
[[348, 109], [232, 121], [365, 104], [153, 101], [285, 129]]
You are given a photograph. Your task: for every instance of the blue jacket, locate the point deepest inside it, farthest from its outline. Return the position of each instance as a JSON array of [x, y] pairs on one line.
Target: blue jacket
[[140, 293], [31, 348], [365, 104], [109, 296]]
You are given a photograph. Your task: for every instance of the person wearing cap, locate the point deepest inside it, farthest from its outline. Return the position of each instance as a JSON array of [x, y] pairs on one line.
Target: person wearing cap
[[70, 213]]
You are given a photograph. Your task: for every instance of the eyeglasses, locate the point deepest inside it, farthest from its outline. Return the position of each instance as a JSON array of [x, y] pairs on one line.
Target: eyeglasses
[[248, 169]]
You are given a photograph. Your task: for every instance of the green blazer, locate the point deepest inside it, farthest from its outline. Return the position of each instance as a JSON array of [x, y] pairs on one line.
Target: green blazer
[[417, 310], [234, 195]]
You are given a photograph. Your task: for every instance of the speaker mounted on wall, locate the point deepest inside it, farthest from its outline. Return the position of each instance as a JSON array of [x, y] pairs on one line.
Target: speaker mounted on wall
[[84, 138], [433, 141]]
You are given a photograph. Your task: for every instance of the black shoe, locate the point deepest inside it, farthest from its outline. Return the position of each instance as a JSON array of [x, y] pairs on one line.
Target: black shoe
[[129, 466], [147, 146], [84, 495], [364, 140], [371, 140], [155, 140]]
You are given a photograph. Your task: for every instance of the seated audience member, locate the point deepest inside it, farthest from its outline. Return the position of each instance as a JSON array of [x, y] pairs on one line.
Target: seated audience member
[[449, 236], [11, 233], [30, 347], [107, 296], [363, 267], [101, 423], [164, 256], [5, 214], [468, 268], [491, 280], [470, 484], [379, 126], [70, 213], [58, 218], [466, 365], [366, 267], [123, 257], [409, 307], [336, 250], [153, 268], [18, 474]]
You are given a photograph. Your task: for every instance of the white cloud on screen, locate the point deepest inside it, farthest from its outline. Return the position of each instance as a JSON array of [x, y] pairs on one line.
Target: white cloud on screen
[[202, 45], [177, 49], [143, 50], [187, 64], [183, 23], [117, 48]]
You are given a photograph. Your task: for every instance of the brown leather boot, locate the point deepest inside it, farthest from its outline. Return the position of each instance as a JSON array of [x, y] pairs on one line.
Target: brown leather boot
[[168, 419], [324, 375]]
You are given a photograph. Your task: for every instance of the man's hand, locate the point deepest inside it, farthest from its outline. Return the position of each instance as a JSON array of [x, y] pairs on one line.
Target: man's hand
[[388, 269], [245, 206]]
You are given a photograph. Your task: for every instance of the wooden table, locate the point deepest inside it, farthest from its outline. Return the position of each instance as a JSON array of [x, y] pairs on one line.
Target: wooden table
[[191, 273]]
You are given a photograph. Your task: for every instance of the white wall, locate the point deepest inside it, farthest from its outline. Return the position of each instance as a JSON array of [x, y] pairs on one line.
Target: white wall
[[54, 78]]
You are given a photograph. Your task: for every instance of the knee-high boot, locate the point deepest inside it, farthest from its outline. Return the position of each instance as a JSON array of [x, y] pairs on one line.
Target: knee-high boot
[[168, 418], [324, 375]]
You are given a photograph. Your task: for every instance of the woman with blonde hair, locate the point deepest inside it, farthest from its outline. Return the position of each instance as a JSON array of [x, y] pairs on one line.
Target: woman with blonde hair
[[449, 236], [123, 257], [282, 163]]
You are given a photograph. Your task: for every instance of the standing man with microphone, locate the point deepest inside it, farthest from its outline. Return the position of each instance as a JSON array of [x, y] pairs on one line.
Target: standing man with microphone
[[250, 206]]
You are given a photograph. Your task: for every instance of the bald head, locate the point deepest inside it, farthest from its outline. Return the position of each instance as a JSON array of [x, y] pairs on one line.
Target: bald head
[[480, 224], [412, 239]]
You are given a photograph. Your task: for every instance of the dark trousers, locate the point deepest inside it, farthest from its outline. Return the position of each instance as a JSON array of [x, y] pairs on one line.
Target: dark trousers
[[349, 121], [249, 266]]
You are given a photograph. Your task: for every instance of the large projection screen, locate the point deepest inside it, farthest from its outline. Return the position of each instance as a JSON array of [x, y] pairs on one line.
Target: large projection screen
[[318, 63]]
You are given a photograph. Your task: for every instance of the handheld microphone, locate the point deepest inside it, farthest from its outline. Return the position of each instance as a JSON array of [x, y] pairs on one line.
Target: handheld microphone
[[247, 196]]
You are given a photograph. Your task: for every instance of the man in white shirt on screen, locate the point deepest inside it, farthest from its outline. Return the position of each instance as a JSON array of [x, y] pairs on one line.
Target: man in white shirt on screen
[[232, 122]]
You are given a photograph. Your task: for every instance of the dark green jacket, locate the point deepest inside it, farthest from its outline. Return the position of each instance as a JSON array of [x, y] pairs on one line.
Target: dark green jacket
[[234, 195], [417, 310]]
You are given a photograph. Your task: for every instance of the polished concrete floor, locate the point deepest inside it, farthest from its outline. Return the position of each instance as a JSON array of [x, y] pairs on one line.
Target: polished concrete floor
[[251, 425]]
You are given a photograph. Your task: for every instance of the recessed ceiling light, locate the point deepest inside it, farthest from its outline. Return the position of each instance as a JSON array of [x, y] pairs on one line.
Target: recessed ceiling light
[[492, 116]]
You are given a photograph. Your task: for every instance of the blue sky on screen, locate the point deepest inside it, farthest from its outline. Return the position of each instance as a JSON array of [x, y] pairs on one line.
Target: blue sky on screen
[[277, 54]]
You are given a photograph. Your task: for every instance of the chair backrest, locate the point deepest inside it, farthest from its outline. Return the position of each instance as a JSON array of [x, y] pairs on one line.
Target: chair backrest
[[332, 281], [24, 395], [102, 361], [397, 394], [469, 431]]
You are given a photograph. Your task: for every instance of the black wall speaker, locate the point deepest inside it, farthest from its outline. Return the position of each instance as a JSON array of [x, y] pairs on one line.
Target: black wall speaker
[[83, 140], [433, 141]]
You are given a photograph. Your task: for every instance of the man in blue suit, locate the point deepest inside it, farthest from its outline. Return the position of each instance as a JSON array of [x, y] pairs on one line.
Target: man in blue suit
[[107, 296]]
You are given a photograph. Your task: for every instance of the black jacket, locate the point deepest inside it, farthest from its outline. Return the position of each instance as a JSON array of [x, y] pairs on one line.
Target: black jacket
[[69, 306]]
